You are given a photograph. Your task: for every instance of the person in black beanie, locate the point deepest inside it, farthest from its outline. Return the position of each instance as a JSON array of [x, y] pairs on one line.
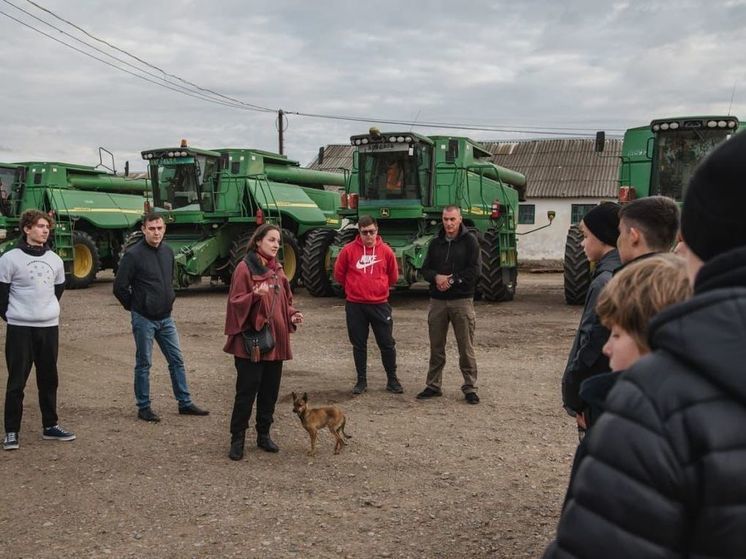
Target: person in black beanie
[[600, 228], [663, 472]]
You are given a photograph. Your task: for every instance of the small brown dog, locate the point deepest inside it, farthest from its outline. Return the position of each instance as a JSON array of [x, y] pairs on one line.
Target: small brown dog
[[314, 419]]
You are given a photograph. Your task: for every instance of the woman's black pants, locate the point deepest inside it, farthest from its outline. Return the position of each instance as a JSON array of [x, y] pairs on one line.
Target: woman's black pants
[[260, 381]]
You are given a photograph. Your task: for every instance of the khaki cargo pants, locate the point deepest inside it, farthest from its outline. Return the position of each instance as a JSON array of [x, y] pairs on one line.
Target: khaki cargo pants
[[459, 313]]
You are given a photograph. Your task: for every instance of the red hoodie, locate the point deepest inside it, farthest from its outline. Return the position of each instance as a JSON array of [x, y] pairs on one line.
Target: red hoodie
[[366, 273]]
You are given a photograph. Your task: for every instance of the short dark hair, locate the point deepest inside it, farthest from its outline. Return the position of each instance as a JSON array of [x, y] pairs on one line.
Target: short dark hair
[[151, 216], [29, 218], [657, 219], [366, 220], [260, 233]]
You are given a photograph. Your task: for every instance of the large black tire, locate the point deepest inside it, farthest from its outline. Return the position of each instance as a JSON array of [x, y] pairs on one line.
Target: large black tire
[[495, 283], [316, 265], [86, 261], [238, 251], [290, 257], [576, 267]]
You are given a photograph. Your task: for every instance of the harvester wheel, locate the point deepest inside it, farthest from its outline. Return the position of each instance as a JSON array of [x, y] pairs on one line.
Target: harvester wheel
[[238, 251], [85, 261], [316, 265], [495, 282], [290, 258], [576, 267]]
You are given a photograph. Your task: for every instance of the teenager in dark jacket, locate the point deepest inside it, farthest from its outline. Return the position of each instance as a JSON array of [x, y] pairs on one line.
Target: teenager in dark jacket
[[452, 267], [366, 268], [600, 228], [664, 473], [143, 287]]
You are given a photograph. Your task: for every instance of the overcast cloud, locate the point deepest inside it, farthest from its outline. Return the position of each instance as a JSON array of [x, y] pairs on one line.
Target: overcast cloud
[[544, 64]]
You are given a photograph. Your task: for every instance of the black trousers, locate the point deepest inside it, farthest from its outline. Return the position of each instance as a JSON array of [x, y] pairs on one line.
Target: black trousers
[[361, 316], [260, 381], [26, 346]]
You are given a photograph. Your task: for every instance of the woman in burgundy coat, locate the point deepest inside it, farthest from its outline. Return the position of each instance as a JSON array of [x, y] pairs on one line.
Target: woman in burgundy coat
[[259, 292]]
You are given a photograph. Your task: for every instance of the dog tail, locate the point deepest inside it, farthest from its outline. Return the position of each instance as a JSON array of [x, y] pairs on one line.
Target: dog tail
[[342, 429]]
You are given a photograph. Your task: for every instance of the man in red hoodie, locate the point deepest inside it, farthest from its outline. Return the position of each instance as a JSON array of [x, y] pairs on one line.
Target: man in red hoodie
[[366, 269]]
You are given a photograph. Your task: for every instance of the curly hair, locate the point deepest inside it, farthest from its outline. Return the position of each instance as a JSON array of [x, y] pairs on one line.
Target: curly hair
[[29, 218]]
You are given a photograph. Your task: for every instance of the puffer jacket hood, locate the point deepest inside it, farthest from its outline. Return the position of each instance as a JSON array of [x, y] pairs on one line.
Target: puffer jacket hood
[[694, 331]]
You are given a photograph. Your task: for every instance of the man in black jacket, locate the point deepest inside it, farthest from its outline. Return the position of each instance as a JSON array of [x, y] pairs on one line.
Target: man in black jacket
[[664, 473], [452, 267], [143, 287]]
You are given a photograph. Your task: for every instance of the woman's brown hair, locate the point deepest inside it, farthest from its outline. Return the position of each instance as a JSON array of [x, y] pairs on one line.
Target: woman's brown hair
[[260, 233]]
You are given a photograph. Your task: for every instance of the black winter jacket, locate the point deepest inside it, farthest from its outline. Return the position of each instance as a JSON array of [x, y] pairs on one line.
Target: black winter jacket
[[143, 281], [460, 257], [586, 358], [665, 470]]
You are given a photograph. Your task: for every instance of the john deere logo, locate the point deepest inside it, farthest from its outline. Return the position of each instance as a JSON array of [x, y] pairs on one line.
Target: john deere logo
[[385, 212]]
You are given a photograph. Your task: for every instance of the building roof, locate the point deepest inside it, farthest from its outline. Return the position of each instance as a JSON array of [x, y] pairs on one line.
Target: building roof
[[554, 168]]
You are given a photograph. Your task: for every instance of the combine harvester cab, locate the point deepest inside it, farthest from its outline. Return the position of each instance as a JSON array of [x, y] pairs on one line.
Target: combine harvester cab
[[657, 160], [94, 211], [213, 200], [404, 180]]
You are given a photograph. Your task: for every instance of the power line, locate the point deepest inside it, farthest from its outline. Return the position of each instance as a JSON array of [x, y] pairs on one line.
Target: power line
[[206, 97], [171, 87], [146, 63], [231, 102]]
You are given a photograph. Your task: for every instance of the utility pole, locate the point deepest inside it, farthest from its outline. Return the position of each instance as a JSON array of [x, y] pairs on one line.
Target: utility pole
[[280, 117]]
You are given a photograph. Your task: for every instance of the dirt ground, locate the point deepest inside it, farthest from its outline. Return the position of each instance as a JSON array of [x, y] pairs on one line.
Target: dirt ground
[[418, 479]]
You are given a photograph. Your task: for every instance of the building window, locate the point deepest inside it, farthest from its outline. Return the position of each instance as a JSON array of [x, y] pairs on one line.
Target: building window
[[526, 214], [578, 211]]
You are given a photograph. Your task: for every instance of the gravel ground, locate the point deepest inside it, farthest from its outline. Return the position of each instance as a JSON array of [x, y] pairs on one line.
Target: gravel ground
[[418, 479]]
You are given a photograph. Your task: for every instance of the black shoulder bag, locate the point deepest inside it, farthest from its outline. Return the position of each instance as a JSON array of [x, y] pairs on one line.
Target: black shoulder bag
[[259, 342]]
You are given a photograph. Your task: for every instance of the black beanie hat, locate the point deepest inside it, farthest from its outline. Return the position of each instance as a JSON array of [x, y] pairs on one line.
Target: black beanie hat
[[713, 218], [603, 222]]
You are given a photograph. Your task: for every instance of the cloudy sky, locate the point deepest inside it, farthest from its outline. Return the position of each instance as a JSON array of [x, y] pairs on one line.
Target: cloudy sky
[[535, 66]]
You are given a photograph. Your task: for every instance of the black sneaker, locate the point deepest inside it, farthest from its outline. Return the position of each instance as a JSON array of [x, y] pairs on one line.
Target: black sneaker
[[393, 385], [429, 393], [360, 387], [146, 414], [10, 442], [57, 433], [471, 398], [191, 409]]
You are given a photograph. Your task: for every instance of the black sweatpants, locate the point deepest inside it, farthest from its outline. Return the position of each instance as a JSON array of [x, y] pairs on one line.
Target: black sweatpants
[[26, 346], [260, 381], [361, 316]]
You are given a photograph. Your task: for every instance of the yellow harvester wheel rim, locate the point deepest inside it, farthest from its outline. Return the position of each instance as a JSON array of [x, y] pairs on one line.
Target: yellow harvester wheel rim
[[289, 261], [83, 261]]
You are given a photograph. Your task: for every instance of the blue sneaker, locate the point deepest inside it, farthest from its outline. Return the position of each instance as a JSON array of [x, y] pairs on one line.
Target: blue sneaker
[[57, 433], [10, 442]]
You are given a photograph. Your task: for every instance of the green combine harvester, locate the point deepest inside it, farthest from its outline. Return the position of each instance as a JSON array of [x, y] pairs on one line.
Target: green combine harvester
[[658, 159], [94, 211], [213, 200], [404, 180]]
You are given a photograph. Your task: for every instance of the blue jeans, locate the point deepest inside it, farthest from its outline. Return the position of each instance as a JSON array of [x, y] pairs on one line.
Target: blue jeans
[[164, 332]]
